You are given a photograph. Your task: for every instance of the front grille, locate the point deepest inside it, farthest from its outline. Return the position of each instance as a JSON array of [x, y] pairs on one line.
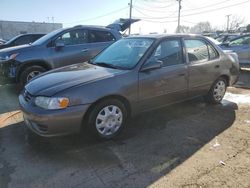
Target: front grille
[[27, 96]]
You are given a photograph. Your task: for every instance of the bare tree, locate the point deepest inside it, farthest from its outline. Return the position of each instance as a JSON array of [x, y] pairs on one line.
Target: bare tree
[[236, 22], [201, 27], [184, 29]]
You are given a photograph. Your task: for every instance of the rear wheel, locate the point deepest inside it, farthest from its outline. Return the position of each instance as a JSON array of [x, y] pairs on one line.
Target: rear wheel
[[217, 91], [29, 73], [107, 118]]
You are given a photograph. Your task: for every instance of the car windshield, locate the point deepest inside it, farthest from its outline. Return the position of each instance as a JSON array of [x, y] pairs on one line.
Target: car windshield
[[124, 54], [45, 38], [13, 39]]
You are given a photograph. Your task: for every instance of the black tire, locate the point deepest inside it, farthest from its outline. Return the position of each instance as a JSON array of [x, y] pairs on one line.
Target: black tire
[[210, 97], [25, 73], [92, 117]]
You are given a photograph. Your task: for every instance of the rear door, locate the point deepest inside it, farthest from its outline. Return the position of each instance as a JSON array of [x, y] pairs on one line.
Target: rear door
[[99, 40], [203, 65], [167, 84], [76, 49]]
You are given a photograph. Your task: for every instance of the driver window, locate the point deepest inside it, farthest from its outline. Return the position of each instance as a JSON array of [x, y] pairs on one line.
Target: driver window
[[74, 37], [169, 52]]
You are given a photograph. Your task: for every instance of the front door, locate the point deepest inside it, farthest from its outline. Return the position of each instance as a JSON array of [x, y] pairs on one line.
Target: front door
[[76, 49], [167, 84]]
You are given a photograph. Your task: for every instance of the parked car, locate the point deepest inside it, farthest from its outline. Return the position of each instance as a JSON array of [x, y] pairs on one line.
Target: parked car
[[59, 48], [225, 38], [212, 35], [2, 41], [240, 45], [214, 40], [21, 40], [133, 75]]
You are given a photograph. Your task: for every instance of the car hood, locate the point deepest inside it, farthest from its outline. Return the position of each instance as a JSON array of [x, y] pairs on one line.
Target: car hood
[[15, 48], [57, 80]]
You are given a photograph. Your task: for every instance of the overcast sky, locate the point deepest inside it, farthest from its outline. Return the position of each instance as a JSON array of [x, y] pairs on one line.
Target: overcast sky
[[156, 15]]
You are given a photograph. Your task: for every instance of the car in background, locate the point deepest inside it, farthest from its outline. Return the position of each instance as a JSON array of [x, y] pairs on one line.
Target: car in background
[[2, 41], [59, 48], [133, 75], [21, 40], [241, 46], [212, 34], [225, 38], [213, 40]]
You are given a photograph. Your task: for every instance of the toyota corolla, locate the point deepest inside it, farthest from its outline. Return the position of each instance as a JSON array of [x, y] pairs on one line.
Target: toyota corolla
[[133, 75]]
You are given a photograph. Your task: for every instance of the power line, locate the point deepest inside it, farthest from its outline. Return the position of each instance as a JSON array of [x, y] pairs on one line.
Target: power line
[[97, 17], [149, 16], [211, 5], [212, 10], [156, 7], [201, 12]]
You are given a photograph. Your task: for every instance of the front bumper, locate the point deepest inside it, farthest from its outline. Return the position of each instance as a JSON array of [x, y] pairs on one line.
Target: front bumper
[[49, 123], [8, 69]]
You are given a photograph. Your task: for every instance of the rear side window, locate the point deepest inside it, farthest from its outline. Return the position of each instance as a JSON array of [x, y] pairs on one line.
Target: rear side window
[[74, 37], [169, 52], [197, 50], [101, 36]]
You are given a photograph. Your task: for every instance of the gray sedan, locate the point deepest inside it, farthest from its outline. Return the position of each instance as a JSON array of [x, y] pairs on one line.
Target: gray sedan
[[240, 45], [133, 75]]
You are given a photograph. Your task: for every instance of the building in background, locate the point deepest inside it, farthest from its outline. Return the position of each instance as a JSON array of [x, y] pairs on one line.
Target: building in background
[[10, 29]]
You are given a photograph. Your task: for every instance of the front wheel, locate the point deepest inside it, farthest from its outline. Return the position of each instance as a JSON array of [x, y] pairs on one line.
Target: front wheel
[[107, 118], [217, 91], [29, 73]]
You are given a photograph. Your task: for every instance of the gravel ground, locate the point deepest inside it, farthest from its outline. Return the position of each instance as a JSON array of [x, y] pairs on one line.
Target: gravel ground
[[186, 145]]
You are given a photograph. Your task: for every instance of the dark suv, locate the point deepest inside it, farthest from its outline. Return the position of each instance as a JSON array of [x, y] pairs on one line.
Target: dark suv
[[21, 40], [59, 48]]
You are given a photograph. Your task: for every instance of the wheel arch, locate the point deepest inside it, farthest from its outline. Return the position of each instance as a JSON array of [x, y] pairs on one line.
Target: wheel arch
[[226, 77], [41, 63], [121, 98]]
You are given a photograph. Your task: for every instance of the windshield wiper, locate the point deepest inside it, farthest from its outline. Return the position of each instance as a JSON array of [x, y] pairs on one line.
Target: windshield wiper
[[103, 64]]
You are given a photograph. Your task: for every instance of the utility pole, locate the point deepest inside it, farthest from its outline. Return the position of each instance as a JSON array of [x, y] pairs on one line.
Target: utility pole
[[228, 17], [130, 14], [179, 15]]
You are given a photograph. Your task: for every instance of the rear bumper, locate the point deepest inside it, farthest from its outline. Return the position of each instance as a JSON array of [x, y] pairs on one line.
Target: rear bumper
[[50, 123]]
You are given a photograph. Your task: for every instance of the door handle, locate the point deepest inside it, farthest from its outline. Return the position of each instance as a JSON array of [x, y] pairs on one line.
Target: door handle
[[217, 66], [181, 74], [84, 50]]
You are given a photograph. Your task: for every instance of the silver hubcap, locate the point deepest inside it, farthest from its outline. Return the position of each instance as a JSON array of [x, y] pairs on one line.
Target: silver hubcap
[[219, 90], [109, 120], [32, 75]]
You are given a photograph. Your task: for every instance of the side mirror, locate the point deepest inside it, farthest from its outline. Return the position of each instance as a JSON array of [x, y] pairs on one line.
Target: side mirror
[[151, 65], [59, 45]]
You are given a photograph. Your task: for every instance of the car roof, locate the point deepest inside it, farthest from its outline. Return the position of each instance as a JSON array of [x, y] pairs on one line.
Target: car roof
[[91, 27], [158, 36]]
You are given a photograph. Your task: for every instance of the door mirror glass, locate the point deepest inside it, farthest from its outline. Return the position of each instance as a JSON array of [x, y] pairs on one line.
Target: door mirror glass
[[151, 64]]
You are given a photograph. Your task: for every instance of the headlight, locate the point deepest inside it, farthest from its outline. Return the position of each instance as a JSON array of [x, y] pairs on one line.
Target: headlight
[[52, 103], [12, 56]]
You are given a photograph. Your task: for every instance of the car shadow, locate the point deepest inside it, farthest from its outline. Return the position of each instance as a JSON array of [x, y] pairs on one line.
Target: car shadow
[[152, 144]]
